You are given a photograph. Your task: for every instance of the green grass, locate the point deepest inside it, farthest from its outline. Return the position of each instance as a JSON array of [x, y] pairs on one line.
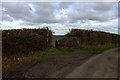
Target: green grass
[[48, 52], [66, 50], [39, 55], [53, 51], [99, 47]]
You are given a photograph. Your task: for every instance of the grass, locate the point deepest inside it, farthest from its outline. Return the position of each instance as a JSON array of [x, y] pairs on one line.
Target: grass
[[37, 55], [52, 52], [66, 50], [99, 47]]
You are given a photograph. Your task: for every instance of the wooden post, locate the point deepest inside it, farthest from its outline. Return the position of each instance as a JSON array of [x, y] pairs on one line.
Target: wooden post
[[47, 36]]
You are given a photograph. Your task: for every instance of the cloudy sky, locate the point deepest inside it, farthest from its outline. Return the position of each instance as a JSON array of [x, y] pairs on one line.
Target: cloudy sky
[[61, 17]]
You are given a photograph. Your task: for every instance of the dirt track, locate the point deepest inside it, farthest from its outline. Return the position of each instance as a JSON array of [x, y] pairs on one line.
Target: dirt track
[[101, 66], [53, 67]]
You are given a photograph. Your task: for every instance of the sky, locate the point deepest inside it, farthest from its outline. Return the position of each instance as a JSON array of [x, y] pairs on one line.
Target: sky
[[60, 17]]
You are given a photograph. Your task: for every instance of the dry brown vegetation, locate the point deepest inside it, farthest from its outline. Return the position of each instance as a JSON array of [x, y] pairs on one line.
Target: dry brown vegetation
[[25, 40], [79, 37], [17, 43]]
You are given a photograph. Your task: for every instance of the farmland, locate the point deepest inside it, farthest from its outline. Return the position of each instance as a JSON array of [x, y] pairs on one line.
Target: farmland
[[23, 45]]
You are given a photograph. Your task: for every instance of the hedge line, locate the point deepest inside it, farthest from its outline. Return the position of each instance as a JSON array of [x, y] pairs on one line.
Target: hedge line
[[25, 40], [79, 37]]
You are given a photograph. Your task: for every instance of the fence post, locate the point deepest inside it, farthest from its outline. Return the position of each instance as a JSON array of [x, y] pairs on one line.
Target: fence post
[[47, 36]]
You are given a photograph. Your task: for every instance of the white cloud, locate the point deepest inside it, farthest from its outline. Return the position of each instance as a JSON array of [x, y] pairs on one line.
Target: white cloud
[[63, 16]]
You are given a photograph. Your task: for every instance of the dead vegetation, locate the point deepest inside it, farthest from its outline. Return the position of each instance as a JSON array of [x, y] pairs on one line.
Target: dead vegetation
[[79, 37], [16, 44]]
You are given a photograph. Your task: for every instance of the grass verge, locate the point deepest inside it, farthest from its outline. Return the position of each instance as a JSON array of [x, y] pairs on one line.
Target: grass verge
[[99, 47]]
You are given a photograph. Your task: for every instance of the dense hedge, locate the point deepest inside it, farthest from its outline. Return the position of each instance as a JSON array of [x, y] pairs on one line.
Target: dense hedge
[[68, 41], [88, 37], [25, 40]]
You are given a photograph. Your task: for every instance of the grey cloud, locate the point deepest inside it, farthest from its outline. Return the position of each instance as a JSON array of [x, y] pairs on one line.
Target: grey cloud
[[103, 6], [48, 12], [7, 18], [16, 10], [65, 5], [92, 11]]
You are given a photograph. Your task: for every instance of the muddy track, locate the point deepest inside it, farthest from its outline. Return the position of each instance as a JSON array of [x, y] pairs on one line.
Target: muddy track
[[104, 65], [51, 67]]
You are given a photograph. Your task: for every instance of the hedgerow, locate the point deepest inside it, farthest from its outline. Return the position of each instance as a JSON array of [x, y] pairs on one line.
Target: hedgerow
[[25, 40]]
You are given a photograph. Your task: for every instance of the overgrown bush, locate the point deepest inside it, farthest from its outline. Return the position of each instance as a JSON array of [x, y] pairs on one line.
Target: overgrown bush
[[88, 37], [25, 40], [67, 41]]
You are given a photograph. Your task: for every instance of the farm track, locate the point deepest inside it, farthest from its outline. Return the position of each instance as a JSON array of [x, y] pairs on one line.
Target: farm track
[[104, 65], [52, 67]]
